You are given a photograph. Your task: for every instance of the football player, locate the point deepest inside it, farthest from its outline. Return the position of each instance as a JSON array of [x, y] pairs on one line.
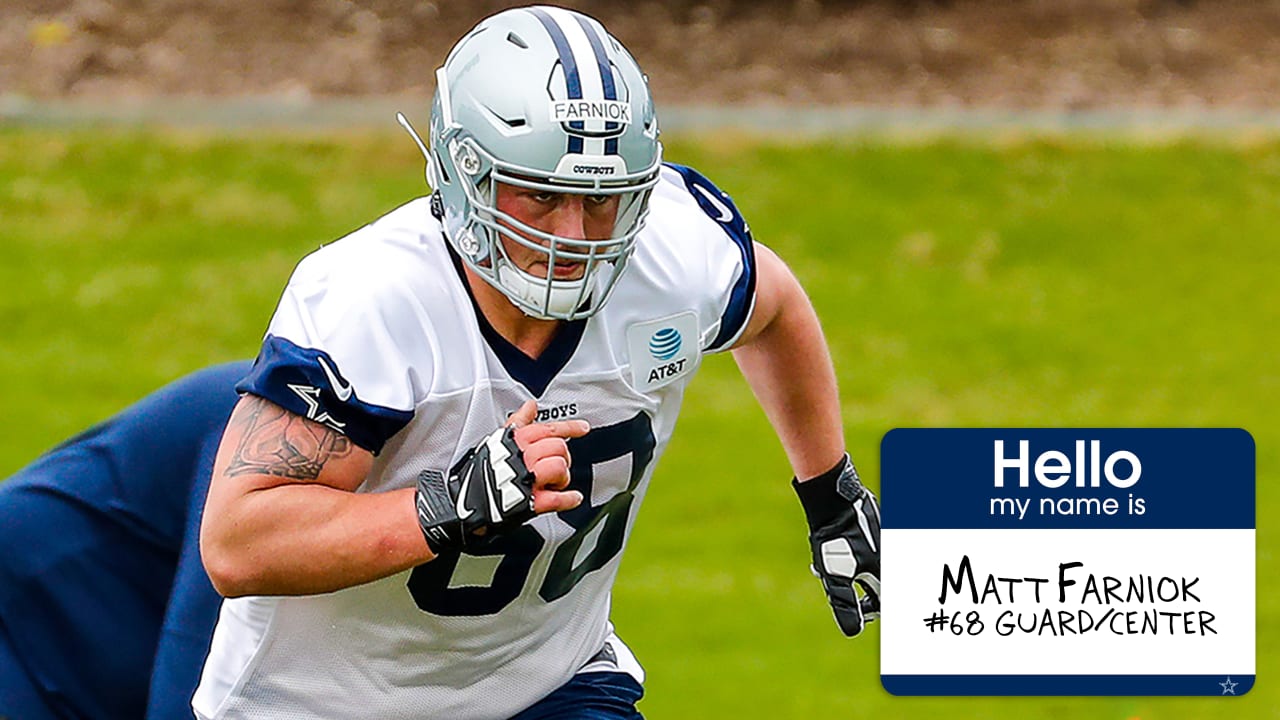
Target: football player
[[421, 502], [105, 608]]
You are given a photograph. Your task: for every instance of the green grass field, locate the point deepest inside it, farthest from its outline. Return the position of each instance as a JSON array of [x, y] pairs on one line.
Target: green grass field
[[1052, 282]]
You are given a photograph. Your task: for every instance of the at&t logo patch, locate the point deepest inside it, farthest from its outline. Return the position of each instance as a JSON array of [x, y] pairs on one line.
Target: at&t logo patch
[[663, 350], [664, 344]]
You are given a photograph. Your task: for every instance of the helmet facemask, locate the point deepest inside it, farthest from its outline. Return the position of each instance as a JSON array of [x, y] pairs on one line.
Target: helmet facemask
[[542, 295]]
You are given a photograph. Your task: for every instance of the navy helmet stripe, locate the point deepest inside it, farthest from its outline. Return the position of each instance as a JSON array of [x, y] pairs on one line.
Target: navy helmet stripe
[[606, 78], [572, 81], [602, 60], [573, 84]]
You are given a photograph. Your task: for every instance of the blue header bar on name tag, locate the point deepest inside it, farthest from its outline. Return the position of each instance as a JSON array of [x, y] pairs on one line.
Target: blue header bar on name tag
[[942, 478]]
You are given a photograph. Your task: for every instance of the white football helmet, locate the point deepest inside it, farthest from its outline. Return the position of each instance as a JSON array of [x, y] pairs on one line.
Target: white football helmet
[[542, 98]]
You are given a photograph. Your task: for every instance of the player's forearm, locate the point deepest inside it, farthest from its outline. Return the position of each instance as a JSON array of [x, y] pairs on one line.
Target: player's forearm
[[788, 366], [283, 518], [307, 539]]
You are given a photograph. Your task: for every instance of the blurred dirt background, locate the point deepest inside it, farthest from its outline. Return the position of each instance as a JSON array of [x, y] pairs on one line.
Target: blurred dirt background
[[1039, 54]]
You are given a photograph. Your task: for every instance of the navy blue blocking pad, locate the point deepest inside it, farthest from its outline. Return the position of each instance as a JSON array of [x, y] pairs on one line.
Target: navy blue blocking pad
[[307, 382], [720, 207], [535, 374]]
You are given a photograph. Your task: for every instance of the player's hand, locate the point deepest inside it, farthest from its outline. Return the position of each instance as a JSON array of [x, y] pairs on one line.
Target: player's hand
[[516, 472], [546, 452], [844, 537]]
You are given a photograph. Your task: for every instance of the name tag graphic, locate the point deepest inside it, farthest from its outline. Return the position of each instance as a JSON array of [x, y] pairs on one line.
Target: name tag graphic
[[1068, 561]]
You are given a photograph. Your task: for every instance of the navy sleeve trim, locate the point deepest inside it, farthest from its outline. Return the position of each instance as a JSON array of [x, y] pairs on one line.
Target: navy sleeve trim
[[307, 382], [720, 207]]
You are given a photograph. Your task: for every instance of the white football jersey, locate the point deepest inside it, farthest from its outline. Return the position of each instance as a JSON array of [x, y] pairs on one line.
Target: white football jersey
[[377, 336]]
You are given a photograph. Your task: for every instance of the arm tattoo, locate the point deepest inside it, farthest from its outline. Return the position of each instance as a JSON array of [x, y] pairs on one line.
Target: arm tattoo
[[276, 442]]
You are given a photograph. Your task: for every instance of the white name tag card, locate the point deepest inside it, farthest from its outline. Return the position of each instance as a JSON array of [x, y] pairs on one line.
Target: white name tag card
[[1068, 561]]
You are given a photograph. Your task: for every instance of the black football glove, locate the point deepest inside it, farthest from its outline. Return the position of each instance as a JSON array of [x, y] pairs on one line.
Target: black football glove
[[488, 491], [844, 536]]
